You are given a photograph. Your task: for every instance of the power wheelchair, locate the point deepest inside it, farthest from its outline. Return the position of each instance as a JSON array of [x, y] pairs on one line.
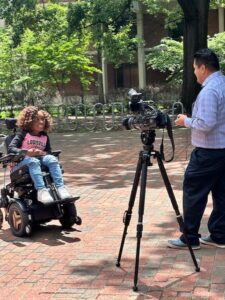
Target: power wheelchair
[[19, 198]]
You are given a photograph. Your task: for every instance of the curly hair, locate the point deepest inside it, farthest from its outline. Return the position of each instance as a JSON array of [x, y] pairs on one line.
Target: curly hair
[[29, 114]]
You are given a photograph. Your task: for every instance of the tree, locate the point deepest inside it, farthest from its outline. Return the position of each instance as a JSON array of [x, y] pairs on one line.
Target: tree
[[6, 67], [111, 24], [167, 57], [217, 43], [53, 62], [195, 17], [46, 57], [19, 14], [195, 37]]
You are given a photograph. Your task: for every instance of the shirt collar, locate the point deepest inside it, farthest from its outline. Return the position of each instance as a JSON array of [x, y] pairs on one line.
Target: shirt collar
[[210, 77]]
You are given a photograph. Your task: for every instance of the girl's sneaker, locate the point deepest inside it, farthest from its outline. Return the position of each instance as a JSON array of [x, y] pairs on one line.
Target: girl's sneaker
[[63, 193], [44, 196]]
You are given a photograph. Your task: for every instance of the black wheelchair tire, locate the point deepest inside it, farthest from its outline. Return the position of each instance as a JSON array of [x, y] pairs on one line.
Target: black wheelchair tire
[[18, 221], [69, 216]]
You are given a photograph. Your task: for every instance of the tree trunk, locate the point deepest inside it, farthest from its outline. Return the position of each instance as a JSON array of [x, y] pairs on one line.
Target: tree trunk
[[195, 38], [100, 82]]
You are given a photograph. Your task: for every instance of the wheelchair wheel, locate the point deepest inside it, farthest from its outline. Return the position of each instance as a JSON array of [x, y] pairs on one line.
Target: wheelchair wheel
[[69, 217], [18, 221]]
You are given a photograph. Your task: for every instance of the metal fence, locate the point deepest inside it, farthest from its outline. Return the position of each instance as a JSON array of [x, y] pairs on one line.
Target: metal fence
[[89, 117]]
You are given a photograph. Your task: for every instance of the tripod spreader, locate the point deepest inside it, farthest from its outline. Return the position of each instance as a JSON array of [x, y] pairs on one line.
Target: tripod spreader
[[144, 161]]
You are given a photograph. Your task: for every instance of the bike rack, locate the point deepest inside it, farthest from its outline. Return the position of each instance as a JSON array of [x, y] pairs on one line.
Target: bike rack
[[106, 116]]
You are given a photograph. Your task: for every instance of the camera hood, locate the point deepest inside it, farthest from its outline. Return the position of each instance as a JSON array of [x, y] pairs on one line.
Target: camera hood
[[134, 95]]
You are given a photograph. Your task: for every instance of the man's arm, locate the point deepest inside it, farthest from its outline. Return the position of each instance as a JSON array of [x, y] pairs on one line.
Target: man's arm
[[205, 115]]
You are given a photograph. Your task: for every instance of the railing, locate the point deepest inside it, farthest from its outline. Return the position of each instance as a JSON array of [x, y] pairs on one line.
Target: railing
[[90, 117]]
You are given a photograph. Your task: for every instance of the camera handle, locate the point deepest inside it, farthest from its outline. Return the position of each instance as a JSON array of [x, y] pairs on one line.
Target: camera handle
[[170, 134], [141, 172]]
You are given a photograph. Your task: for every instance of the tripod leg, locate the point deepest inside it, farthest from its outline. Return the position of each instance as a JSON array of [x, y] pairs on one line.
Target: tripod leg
[[128, 212], [175, 207], [145, 164]]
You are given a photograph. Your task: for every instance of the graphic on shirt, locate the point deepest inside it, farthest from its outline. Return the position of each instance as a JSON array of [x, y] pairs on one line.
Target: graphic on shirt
[[33, 141]]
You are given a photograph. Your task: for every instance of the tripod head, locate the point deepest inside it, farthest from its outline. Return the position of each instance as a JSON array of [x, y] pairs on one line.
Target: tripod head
[[148, 138]]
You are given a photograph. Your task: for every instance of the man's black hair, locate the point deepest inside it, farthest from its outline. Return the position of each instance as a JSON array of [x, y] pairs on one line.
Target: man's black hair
[[208, 58]]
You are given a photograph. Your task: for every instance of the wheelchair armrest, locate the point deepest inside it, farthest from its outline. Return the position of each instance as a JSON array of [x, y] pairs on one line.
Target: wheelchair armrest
[[11, 158], [56, 152]]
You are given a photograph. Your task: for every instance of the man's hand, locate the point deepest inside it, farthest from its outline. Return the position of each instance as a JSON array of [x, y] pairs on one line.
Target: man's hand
[[180, 120], [35, 152]]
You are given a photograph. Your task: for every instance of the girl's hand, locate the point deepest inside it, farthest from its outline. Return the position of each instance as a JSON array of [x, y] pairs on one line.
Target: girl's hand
[[35, 152]]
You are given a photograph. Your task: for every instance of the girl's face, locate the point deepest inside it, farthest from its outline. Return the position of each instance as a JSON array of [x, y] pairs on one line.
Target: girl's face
[[38, 124]]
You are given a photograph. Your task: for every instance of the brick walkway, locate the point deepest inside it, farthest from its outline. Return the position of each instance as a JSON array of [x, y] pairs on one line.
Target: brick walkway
[[80, 264]]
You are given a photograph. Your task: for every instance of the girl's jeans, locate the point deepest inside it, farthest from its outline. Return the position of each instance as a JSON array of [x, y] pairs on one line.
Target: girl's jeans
[[34, 165]]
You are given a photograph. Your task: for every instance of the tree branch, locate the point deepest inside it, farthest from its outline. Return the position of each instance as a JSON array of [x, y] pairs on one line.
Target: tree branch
[[126, 6]]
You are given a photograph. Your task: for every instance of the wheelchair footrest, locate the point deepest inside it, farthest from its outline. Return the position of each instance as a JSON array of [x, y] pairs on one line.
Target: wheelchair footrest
[[64, 201]]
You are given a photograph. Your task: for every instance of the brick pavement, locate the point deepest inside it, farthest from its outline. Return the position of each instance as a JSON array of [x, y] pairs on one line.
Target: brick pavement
[[80, 263]]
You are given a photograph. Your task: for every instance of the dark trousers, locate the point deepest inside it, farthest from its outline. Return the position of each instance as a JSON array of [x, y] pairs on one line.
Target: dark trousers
[[205, 172]]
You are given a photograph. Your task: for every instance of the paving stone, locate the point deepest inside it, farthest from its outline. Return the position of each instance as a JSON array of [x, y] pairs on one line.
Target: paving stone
[[81, 263]]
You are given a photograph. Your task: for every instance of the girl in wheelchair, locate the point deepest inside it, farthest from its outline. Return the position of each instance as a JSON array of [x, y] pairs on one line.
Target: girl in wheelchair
[[33, 142]]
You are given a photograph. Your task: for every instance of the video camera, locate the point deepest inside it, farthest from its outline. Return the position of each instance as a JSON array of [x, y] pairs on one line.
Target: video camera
[[145, 116]]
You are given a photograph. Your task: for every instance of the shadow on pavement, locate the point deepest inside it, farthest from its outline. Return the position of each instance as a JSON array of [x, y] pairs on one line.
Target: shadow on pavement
[[50, 235], [109, 160]]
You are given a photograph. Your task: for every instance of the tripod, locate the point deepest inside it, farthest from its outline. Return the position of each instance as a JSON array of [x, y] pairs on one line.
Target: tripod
[[148, 138]]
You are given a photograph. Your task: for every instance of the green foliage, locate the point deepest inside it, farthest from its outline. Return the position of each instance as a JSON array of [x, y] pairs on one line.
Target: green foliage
[[217, 3], [124, 47], [156, 6], [5, 58], [46, 57], [19, 14], [171, 6], [54, 58], [217, 43], [76, 16], [48, 43], [9, 8], [167, 58], [172, 10], [111, 24]]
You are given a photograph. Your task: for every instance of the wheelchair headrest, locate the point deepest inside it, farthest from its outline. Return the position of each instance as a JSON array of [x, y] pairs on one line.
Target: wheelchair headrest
[[10, 123]]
